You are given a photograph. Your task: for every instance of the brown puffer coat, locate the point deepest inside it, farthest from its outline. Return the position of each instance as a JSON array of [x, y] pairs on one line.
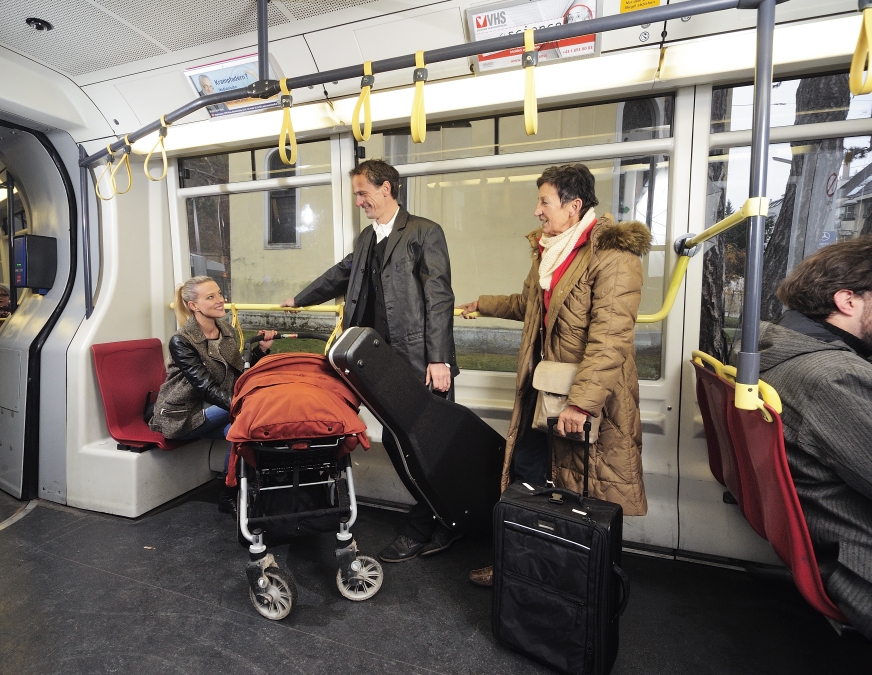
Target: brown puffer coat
[[591, 322]]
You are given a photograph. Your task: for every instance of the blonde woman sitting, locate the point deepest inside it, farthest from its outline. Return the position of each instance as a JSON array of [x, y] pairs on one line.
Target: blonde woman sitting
[[194, 401]]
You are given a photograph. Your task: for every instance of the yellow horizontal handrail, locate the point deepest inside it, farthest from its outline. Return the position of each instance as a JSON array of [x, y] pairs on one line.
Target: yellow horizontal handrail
[[329, 309]]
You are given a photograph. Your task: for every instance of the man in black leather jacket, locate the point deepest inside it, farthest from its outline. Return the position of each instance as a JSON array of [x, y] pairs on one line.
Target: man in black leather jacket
[[398, 281]]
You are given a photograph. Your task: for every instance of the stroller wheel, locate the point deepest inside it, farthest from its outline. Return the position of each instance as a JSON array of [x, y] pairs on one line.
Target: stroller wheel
[[365, 584], [276, 600]]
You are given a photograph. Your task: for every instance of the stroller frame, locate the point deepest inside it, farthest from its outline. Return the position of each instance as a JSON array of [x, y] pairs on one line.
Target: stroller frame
[[271, 590]]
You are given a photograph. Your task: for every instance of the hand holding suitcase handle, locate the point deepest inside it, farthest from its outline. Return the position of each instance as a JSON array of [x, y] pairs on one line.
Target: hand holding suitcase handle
[[552, 422]]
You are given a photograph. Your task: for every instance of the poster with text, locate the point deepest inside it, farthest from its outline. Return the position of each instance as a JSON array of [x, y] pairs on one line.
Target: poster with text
[[516, 16], [236, 73]]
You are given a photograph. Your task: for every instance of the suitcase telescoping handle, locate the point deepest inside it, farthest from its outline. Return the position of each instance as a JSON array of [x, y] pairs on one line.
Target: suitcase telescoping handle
[[552, 422]]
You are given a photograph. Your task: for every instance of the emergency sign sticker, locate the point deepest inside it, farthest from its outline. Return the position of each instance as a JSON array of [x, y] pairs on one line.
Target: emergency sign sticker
[[516, 16]]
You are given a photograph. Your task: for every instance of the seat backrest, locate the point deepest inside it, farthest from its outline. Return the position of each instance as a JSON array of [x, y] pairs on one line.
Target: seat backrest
[[126, 372], [761, 445], [718, 395], [717, 436], [714, 395]]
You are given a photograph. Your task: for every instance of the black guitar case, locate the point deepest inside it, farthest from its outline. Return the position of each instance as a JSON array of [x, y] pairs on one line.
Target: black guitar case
[[451, 455]]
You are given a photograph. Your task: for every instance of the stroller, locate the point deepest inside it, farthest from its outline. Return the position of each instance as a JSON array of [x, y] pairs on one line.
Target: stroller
[[294, 423]]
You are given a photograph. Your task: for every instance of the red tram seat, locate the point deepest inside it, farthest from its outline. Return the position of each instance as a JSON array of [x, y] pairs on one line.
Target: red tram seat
[[753, 460], [126, 372], [715, 395], [761, 444]]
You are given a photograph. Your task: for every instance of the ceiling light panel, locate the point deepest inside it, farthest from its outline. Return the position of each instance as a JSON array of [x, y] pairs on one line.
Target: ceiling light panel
[[179, 24], [84, 39], [306, 9]]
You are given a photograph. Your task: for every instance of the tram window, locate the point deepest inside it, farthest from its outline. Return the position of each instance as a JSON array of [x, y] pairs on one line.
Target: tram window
[[820, 192], [637, 119], [255, 164], [795, 101], [230, 228], [486, 216]]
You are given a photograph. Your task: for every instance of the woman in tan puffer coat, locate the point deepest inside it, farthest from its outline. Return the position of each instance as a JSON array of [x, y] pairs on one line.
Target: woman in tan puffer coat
[[592, 275]]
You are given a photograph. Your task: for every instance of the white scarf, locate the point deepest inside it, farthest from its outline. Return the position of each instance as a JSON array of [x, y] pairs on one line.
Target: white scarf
[[557, 248]]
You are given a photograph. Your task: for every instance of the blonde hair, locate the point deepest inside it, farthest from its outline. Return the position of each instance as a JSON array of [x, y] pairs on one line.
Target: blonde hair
[[185, 293]]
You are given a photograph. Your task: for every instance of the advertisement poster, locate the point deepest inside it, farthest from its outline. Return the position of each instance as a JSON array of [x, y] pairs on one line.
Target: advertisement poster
[[507, 18], [235, 73]]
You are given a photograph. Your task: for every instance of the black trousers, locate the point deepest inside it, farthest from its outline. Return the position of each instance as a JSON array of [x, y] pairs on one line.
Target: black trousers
[[531, 458]]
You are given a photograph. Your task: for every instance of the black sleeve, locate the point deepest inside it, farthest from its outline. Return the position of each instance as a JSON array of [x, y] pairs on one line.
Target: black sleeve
[[192, 367], [257, 354], [329, 285]]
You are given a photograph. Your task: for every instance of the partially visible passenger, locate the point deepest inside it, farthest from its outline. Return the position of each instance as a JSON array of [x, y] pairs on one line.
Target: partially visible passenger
[[194, 401], [817, 358], [5, 301]]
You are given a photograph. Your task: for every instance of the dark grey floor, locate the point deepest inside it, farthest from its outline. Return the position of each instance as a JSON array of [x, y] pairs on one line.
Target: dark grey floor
[[84, 593]]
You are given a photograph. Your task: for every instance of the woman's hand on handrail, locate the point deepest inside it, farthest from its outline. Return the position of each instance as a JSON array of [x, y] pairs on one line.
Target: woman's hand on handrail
[[469, 310], [290, 303]]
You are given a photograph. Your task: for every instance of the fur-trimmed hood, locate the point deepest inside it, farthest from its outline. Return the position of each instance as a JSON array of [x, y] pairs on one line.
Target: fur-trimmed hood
[[632, 236]]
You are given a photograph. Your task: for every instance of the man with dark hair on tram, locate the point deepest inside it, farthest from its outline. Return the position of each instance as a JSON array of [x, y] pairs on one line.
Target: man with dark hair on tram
[[817, 358], [398, 281]]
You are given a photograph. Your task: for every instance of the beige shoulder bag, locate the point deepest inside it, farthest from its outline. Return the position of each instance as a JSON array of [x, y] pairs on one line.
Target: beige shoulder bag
[[553, 380]]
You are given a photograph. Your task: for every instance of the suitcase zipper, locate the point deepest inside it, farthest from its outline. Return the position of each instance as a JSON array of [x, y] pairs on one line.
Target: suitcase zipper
[[574, 599], [546, 534]]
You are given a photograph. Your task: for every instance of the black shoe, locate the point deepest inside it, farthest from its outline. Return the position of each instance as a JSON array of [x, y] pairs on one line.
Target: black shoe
[[227, 501], [442, 538], [404, 548]]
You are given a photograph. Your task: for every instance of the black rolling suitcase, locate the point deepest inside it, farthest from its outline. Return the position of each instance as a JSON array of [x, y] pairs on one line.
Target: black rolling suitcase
[[558, 585], [448, 452]]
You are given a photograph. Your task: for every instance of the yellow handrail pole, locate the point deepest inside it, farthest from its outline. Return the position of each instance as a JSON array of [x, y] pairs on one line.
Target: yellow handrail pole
[[671, 293], [366, 83], [529, 60], [859, 63], [418, 122], [766, 391], [161, 135], [758, 206], [287, 125]]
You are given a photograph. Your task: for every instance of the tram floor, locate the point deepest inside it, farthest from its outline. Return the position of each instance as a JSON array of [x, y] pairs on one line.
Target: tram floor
[[166, 593]]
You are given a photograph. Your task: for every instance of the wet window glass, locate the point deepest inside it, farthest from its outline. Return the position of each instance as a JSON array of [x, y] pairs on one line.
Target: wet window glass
[[255, 164], [486, 216], [226, 235], [820, 192], [806, 100]]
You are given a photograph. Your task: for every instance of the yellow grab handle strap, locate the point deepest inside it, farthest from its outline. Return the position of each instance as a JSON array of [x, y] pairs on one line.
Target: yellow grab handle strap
[[858, 84], [363, 100], [107, 169], [419, 116], [529, 60], [162, 133], [287, 126], [234, 321], [125, 161]]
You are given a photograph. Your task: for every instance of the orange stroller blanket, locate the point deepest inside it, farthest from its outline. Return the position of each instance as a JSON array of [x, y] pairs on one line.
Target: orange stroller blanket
[[288, 397]]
